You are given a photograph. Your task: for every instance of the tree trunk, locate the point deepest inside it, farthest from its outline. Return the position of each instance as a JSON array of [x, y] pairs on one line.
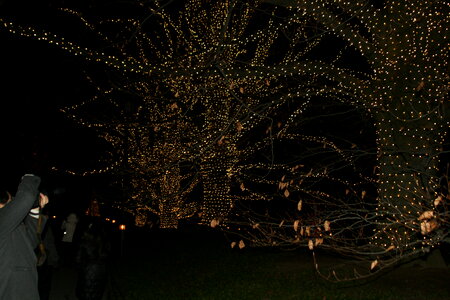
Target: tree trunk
[[170, 202], [408, 175], [217, 198]]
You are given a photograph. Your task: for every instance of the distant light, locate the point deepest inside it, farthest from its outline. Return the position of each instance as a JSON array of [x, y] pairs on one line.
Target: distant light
[[113, 221], [122, 227]]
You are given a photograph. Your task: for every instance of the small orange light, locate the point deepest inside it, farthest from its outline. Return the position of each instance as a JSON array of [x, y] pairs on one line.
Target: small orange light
[[113, 221], [122, 227]]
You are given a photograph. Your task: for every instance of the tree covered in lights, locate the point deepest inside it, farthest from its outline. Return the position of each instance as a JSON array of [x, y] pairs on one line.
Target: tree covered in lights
[[401, 82], [197, 77], [241, 97], [218, 88], [143, 129]]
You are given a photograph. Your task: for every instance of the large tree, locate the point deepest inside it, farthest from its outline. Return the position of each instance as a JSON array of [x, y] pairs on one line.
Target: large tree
[[196, 73], [398, 74]]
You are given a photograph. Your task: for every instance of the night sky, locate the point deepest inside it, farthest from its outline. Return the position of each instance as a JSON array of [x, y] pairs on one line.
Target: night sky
[[37, 81]]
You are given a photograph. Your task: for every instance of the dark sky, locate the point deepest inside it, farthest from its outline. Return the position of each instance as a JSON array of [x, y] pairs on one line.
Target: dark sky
[[37, 80]]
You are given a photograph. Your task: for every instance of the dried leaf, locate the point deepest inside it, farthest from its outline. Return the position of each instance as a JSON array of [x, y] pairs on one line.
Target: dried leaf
[[426, 215], [296, 167], [423, 228], [299, 205], [174, 106], [241, 90], [177, 94], [363, 194], [308, 230], [233, 244], [326, 225], [284, 185], [255, 226], [214, 223], [241, 244], [347, 191], [220, 142], [433, 224], [242, 187], [428, 226], [438, 200], [281, 223], [318, 241], [286, 193], [310, 245], [279, 124], [239, 126], [374, 264], [302, 230], [267, 82], [296, 224], [420, 86], [390, 248]]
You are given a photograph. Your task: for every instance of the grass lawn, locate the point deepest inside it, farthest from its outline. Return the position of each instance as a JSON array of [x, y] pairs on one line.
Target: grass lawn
[[187, 265]]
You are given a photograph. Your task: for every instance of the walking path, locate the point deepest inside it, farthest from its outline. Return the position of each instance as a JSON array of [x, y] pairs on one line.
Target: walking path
[[63, 284]]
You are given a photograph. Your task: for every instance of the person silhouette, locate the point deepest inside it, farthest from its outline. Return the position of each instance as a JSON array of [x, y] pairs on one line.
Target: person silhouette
[[68, 247], [18, 239], [92, 258]]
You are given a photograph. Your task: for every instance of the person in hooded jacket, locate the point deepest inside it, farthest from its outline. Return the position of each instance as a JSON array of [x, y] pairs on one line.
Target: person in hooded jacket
[[19, 238]]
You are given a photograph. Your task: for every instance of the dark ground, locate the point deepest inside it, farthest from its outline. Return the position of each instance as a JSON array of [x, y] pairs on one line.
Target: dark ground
[[169, 251]]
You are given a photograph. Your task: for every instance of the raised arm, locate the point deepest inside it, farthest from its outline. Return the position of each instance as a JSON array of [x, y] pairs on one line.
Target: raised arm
[[12, 214]]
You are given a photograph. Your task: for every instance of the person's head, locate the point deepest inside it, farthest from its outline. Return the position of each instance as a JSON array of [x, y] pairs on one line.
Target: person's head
[[72, 218], [5, 197]]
